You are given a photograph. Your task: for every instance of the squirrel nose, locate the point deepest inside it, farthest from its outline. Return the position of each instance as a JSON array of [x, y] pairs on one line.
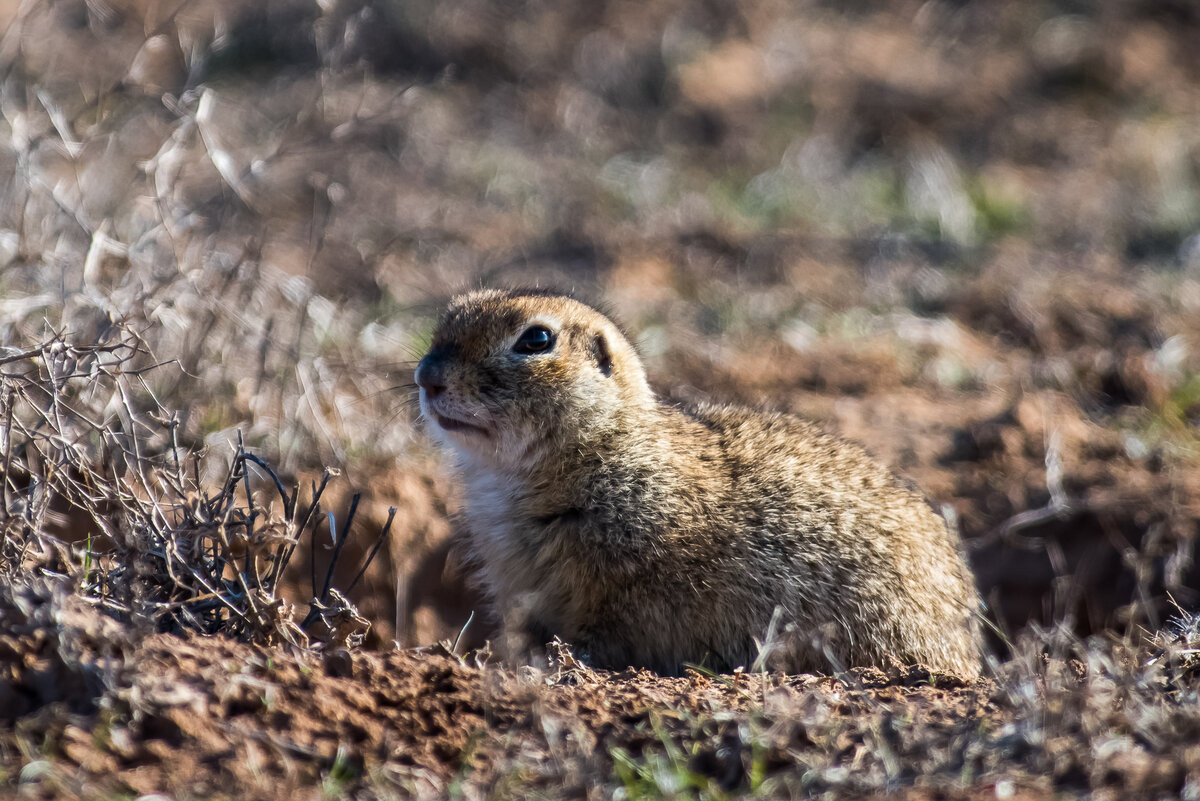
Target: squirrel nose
[[429, 378]]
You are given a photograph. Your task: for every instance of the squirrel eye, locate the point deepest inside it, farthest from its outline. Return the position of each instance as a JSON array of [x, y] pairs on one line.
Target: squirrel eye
[[536, 339]]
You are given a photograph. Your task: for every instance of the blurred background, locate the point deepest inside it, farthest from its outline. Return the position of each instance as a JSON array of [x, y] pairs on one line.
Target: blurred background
[[965, 234]]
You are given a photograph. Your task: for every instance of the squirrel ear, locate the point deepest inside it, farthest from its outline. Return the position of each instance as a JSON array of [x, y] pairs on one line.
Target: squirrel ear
[[602, 354]]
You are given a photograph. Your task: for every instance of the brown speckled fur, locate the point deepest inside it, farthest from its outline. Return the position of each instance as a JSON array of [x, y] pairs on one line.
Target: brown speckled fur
[[654, 536]]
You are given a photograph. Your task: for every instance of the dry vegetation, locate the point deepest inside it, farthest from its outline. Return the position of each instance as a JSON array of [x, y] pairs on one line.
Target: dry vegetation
[[966, 234]]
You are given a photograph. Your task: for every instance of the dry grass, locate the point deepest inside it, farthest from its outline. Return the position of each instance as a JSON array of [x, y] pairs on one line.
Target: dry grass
[[99, 494]]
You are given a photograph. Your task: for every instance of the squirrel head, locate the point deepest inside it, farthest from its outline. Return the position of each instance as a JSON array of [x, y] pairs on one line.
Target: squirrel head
[[512, 375]]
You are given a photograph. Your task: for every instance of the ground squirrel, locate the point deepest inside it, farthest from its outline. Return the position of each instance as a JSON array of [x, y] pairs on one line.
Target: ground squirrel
[[649, 535]]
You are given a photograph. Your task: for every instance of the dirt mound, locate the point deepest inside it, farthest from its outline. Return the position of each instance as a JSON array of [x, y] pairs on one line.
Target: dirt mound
[[201, 715]]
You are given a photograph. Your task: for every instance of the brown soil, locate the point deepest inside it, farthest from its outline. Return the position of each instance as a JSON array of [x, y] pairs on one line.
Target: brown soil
[[200, 716], [99, 711]]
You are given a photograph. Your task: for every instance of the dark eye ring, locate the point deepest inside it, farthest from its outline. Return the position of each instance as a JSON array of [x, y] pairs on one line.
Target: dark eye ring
[[536, 339]]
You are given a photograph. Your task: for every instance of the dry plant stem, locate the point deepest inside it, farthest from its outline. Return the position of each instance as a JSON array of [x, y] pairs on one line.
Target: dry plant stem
[[240, 463], [312, 562], [22, 356], [339, 545], [9, 400], [163, 549], [314, 506], [279, 486], [174, 426], [251, 565], [383, 533]]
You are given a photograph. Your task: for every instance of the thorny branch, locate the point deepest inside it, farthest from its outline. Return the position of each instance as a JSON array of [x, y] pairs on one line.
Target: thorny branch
[[94, 490]]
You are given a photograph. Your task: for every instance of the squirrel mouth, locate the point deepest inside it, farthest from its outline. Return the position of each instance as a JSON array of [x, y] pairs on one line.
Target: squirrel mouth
[[451, 424]]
